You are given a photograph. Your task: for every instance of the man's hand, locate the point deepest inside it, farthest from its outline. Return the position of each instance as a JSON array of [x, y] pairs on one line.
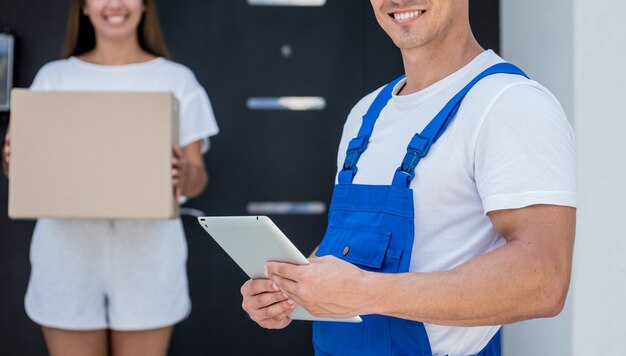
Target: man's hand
[[328, 287], [6, 154], [266, 304]]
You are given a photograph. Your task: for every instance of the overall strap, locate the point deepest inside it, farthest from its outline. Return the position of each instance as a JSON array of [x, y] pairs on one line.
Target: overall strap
[[358, 145], [420, 144]]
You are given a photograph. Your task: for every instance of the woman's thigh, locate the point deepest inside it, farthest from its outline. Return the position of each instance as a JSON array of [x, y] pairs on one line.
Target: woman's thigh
[[76, 343], [152, 342]]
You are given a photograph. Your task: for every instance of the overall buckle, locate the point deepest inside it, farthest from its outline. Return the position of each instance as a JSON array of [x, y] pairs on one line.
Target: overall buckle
[[420, 144], [355, 148], [418, 149], [351, 158]]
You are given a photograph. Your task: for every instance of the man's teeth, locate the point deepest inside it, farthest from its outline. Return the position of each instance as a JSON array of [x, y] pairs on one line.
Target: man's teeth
[[116, 19], [406, 15]]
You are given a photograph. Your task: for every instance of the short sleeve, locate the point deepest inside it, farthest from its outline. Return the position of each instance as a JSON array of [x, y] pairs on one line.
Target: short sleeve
[[197, 121], [40, 82], [525, 152]]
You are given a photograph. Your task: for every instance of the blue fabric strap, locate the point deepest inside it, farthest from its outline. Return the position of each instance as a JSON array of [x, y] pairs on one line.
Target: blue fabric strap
[[420, 144], [358, 145]]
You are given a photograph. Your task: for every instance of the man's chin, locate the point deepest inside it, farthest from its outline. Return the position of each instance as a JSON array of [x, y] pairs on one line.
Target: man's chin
[[408, 43]]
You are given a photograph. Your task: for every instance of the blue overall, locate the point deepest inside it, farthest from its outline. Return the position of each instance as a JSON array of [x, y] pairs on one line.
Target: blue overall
[[372, 227]]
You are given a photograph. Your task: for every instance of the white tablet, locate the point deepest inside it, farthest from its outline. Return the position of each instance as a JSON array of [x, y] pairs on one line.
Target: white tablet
[[253, 240]]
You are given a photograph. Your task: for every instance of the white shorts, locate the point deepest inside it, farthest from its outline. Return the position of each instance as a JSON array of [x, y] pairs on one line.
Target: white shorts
[[102, 274]]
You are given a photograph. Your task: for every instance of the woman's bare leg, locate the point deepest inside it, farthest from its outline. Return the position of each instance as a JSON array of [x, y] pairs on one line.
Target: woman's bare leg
[[62, 342], [152, 342]]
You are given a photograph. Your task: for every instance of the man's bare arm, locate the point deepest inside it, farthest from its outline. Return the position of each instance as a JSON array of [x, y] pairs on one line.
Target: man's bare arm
[[527, 278]]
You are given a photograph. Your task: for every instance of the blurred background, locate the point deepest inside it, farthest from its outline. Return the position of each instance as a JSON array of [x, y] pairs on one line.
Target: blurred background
[[278, 158]]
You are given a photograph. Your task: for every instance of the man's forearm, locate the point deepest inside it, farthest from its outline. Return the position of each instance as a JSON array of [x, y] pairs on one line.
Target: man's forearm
[[509, 284]]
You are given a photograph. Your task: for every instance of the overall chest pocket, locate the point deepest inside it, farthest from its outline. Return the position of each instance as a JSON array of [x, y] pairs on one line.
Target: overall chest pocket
[[362, 246]]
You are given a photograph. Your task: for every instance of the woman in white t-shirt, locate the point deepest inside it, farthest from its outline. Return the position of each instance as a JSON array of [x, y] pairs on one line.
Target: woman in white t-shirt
[[117, 287]]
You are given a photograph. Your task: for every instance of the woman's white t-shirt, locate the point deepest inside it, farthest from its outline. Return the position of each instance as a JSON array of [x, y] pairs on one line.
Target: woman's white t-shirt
[[146, 251], [197, 121]]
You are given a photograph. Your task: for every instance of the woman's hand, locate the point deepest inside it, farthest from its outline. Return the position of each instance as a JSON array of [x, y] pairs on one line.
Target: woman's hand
[[189, 176], [6, 154], [180, 171]]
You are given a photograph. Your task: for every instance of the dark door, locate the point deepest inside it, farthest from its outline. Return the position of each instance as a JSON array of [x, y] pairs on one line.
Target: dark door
[[269, 156]]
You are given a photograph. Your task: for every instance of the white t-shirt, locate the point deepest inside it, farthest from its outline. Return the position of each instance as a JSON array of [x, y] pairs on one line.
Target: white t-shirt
[[510, 146], [196, 121]]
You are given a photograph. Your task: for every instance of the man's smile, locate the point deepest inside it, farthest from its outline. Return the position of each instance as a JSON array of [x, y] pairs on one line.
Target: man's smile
[[404, 17]]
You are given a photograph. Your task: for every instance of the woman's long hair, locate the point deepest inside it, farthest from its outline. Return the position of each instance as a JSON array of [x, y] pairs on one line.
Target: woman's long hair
[[81, 36]]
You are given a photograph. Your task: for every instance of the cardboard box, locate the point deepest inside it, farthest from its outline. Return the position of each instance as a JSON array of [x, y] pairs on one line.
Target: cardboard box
[[103, 155]]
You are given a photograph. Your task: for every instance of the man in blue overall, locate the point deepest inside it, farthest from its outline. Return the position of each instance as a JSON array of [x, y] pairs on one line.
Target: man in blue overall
[[454, 209]]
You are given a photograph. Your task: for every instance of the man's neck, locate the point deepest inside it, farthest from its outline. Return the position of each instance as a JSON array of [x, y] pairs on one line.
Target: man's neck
[[426, 65]]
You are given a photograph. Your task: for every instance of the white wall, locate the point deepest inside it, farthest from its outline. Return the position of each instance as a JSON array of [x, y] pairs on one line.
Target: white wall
[[599, 302], [537, 36], [576, 48]]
